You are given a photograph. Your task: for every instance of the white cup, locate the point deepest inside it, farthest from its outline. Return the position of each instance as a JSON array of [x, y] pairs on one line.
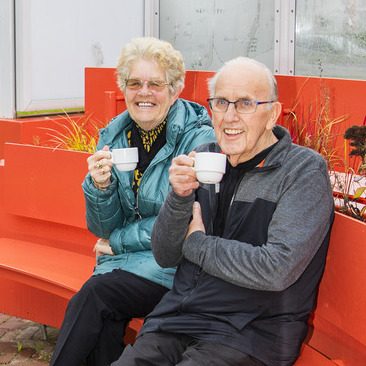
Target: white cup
[[209, 167], [125, 159]]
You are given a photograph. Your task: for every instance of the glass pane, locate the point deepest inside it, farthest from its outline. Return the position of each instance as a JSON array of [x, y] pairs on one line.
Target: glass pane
[[331, 38], [56, 40], [209, 33]]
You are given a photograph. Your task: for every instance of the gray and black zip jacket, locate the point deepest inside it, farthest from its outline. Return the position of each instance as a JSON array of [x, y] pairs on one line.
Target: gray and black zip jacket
[[254, 288]]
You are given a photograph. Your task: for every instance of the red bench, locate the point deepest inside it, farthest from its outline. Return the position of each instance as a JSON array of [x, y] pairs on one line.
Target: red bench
[[57, 272]]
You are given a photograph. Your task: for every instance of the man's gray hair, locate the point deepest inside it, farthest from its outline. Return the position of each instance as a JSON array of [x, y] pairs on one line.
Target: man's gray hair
[[273, 90]]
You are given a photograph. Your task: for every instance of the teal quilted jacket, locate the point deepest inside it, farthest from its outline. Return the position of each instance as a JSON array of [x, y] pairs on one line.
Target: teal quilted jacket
[[115, 214]]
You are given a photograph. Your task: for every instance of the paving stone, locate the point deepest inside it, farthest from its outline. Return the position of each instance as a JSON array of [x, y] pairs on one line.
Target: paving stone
[[4, 317], [22, 342], [27, 352], [8, 347], [28, 363], [42, 356], [10, 336], [14, 323], [6, 358], [28, 333]]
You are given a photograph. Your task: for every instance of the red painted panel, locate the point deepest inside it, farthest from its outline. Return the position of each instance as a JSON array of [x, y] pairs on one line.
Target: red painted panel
[[202, 88], [97, 81], [45, 183], [54, 270], [10, 131], [33, 131], [311, 357], [30, 303], [342, 295], [189, 90], [343, 96]]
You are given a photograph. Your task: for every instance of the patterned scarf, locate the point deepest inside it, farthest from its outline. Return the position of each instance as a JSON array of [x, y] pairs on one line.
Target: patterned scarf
[[148, 144]]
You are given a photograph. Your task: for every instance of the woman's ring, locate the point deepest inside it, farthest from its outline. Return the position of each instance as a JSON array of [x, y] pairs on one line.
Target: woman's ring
[[102, 170], [98, 165]]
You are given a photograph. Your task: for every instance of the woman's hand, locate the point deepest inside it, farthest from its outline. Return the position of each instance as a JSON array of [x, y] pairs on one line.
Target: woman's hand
[[182, 175], [102, 247], [100, 167]]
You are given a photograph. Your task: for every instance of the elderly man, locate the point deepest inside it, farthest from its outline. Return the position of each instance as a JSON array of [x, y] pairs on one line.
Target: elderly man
[[251, 257]]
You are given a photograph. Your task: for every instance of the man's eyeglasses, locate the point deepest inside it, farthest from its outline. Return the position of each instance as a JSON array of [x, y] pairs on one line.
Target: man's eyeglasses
[[153, 85], [241, 105]]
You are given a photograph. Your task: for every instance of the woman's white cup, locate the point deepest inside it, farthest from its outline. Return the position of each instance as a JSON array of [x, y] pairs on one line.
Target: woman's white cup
[[209, 167], [125, 159]]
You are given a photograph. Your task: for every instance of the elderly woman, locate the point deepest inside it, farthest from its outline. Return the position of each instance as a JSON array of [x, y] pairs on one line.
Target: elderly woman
[[121, 207]]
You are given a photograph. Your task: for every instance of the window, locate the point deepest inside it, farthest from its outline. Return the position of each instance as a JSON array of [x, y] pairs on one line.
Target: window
[[209, 33], [331, 38]]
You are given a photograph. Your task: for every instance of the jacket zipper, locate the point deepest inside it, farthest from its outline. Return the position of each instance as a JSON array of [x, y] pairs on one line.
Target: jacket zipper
[[137, 213], [232, 200], [193, 288]]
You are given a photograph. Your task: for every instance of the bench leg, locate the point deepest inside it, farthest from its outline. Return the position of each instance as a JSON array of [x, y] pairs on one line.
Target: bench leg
[[44, 332]]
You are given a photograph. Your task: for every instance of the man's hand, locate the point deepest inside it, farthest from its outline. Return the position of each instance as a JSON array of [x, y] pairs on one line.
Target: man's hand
[[196, 223], [182, 175]]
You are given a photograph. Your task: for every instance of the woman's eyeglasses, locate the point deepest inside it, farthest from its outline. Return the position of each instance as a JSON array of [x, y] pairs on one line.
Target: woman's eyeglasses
[[153, 85]]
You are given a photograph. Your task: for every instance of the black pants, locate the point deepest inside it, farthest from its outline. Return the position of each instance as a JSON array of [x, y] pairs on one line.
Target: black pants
[[96, 318], [165, 349]]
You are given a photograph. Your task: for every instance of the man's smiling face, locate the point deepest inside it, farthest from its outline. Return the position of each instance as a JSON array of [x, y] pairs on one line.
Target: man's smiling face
[[242, 136]]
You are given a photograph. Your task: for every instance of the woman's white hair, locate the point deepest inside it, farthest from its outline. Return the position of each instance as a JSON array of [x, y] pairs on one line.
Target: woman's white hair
[[273, 90], [156, 50]]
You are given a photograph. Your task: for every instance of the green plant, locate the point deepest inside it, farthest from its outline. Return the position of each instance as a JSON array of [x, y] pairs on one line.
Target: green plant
[[20, 346], [38, 347], [77, 134]]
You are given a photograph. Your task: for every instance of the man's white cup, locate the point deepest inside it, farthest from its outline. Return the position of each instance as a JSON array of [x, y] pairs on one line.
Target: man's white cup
[[209, 167], [125, 159]]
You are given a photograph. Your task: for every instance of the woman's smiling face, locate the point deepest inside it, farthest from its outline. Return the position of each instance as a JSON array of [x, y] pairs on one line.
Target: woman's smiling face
[[148, 109]]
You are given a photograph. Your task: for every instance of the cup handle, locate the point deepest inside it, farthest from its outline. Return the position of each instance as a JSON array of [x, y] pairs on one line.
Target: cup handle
[[111, 158]]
